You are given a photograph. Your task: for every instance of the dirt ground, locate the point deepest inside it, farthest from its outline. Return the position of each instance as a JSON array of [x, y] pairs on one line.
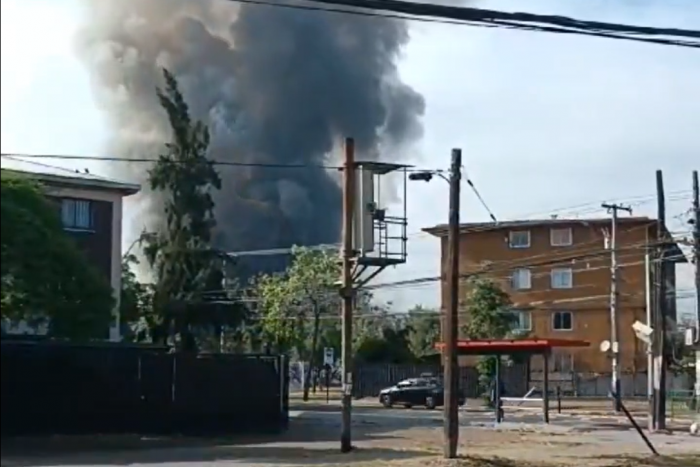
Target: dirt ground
[[308, 444]]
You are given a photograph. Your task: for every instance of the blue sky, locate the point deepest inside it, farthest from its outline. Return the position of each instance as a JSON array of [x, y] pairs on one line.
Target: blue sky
[[545, 122]]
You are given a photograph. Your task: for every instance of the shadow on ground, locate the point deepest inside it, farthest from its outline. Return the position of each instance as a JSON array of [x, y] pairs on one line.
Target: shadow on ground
[[688, 460], [240, 455], [305, 443]]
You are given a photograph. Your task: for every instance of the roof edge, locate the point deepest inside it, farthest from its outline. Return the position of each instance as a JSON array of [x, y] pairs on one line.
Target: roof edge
[[441, 230], [126, 189]]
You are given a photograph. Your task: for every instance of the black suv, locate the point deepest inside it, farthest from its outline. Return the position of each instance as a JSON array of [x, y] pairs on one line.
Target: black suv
[[427, 392]]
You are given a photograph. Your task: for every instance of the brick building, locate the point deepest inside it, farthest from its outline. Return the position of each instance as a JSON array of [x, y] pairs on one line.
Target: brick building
[[91, 211], [557, 273]]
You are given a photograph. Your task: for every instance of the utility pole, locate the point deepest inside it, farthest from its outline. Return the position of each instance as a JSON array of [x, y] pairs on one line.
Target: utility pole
[[696, 257], [614, 321], [658, 419], [347, 293], [451, 383]]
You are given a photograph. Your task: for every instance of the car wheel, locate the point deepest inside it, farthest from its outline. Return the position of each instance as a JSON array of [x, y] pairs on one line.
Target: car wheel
[[430, 403], [408, 406], [386, 401]]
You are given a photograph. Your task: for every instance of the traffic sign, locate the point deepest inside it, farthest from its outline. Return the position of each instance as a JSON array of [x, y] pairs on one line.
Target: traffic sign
[[328, 356]]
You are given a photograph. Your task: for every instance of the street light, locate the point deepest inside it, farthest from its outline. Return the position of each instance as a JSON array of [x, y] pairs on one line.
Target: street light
[[427, 176]]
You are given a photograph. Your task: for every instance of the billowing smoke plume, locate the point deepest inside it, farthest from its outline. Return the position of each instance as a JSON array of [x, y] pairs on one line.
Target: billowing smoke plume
[[275, 85]]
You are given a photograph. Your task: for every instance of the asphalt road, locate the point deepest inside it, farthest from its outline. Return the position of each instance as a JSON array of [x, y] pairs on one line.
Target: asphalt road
[[400, 418]]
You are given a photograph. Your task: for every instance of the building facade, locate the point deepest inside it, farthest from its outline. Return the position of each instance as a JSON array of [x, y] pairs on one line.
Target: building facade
[[557, 273], [91, 209]]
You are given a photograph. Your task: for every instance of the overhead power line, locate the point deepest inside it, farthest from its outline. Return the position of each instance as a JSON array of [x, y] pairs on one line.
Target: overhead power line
[[463, 16], [516, 19], [24, 157]]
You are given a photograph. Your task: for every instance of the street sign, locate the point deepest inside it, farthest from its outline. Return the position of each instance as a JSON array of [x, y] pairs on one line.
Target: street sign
[[328, 356]]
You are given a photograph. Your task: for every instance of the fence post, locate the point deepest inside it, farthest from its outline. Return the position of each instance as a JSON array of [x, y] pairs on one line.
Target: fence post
[[284, 390], [558, 399]]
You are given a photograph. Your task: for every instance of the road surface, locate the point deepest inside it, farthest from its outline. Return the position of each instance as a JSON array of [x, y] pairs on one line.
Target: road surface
[[388, 438]]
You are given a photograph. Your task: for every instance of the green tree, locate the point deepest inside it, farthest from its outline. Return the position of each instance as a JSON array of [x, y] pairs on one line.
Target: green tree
[[423, 330], [294, 304], [179, 251], [45, 277], [488, 317], [136, 301]]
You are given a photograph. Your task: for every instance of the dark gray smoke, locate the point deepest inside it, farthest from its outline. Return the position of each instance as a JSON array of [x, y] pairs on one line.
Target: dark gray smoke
[[275, 85]]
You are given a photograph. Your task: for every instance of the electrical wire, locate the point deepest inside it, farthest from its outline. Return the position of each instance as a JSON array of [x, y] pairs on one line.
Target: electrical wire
[[464, 312], [24, 157], [481, 199], [492, 273], [475, 17]]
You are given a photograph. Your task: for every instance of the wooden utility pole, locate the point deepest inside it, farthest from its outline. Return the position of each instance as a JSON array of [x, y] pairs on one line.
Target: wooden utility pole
[[451, 383], [347, 293], [658, 419], [614, 295]]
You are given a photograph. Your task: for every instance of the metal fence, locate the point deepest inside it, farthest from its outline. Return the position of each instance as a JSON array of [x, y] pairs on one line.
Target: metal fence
[[632, 385], [368, 380], [682, 403], [56, 388]]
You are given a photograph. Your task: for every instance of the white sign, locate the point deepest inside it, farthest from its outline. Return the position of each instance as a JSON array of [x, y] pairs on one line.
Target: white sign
[[328, 356]]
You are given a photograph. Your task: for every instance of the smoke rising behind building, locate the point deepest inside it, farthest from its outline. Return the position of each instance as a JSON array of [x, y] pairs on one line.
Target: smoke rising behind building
[[275, 85]]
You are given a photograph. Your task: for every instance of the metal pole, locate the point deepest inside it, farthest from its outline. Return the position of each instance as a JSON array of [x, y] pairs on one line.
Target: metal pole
[[614, 321], [497, 403], [347, 293], [650, 323], [613, 312], [696, 248], [696, 255], [451, 384], [545, 387], [659, 335]]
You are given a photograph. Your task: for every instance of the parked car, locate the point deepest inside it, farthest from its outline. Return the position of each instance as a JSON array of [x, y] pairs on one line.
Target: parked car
[[427, 392]]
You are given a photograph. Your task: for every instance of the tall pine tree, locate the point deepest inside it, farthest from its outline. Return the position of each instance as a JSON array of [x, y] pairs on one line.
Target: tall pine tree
[[184, 263]]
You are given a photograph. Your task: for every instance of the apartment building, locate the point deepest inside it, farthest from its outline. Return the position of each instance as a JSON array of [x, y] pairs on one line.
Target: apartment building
[[91, 211], [557, 273]]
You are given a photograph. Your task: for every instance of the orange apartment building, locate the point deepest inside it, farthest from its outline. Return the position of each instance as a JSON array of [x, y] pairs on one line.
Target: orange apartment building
[[557, 273]]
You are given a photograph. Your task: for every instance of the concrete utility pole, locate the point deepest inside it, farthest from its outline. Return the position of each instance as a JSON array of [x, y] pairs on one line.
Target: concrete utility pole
[[614, 321], [696, 257], [451, 375], [658, 418], [347, 293]]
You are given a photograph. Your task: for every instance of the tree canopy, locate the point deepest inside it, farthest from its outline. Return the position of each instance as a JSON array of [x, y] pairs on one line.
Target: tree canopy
[[188, 270], [488, 316], [46, 279]]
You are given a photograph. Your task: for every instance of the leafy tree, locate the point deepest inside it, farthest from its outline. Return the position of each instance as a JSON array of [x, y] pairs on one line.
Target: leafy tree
[[45, 277], [179, 251], [136, 301], [488, 317], [391, 346], [423, 331], [295, 303]]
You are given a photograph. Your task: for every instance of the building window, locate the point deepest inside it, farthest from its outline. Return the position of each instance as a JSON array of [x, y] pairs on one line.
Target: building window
[[522, 321], [561, 237], [519, 239], [521, 279], [562, 321], [76, 214], [561, 362], [562, 278]]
